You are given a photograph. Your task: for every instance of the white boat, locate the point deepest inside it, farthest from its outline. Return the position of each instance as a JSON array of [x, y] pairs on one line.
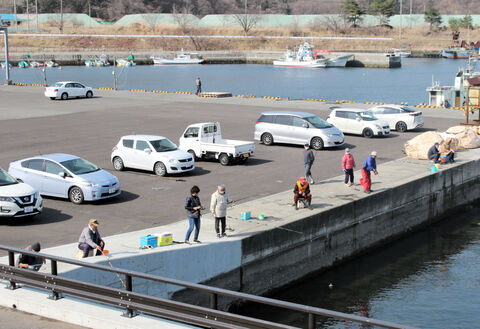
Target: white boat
[[36, 64], [89, 63], [180, 58], [456, 95], [301, 56], [125, 62], [3, 64], [338, 61], [102, 61], [51, 64], [402, 52]]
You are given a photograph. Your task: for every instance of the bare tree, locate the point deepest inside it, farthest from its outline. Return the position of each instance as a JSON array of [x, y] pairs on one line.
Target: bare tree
[[247, 21], [183, 18], [334, 24], [152, 20]]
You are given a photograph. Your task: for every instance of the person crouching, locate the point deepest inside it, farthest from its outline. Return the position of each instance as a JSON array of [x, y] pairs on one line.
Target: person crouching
[[302, 190], [90, 239]]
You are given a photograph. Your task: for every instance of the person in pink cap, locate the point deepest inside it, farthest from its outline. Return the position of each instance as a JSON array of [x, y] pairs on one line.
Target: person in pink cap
[[302, 190], [348, 163]]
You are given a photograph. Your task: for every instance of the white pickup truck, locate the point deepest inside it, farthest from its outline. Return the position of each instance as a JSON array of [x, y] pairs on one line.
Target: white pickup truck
[[204, 140]]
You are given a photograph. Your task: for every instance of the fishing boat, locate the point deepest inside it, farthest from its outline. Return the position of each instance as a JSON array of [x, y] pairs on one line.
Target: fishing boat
[[181, 58], [402, 52], [301, 56], [456, 95], [3, 64], [335, 61], [458, 53], [51, 64], [90, 63], [102, 61], [125, 62], [36, 64], [23, 64]]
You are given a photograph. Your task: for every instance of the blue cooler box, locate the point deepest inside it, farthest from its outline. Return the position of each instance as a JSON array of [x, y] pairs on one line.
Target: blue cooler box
[[149, 240], [246, 215]]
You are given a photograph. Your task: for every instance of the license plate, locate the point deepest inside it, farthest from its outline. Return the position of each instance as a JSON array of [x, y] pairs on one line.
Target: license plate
[[28, 209], [246, 155], [111, 190]]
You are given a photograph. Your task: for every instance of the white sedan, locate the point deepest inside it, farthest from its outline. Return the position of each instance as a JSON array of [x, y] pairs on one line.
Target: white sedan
[[66, 89], [400, 118]]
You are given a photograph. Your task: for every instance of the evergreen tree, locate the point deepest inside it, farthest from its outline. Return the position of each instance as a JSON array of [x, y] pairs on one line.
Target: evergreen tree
[[432, 16], [352, 11], [384, 9], [467, 22]]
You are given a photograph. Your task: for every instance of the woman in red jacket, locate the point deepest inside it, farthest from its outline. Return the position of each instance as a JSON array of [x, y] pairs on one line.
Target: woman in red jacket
[[348, 163]]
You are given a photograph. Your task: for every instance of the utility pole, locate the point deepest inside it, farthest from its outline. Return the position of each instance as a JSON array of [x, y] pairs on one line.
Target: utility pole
[[61, 15], [7, 65], [114, 74], [28, 17], [400, 33], [411, 23], [89, 9], [15, 13], [36, 12]]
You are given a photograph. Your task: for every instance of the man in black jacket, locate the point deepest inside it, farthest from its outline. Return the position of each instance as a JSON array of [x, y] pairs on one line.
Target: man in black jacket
[[434, 153], [31, 262]]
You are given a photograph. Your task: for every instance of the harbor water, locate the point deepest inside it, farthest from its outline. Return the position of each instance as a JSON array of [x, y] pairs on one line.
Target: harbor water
[[428, 280], [405, 84]]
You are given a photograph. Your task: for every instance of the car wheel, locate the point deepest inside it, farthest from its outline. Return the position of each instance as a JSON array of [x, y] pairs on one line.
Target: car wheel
[[52, 98], [368, 133], [64, 96], [160, 169], [118, 164], [75, 195], [317, 143], [267, 139], [244, 159], [89, 94], [192, 153], [401, 127], [224, 159]]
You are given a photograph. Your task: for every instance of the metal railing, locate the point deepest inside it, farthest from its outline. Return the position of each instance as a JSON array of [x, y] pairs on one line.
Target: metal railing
[[182, 312]]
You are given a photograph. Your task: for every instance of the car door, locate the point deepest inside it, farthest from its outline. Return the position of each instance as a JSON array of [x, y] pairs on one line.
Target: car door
[[354, 123], [338, 119], [387, 114], [53, 183], [300, 131], [128, 152], [33, 174], [69, 88], [191, 141], [80, 90], [143, 155], [283, 129]]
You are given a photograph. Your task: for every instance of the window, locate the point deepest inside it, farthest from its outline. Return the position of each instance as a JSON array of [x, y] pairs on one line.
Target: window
[[210, 129], [341, 114], [69, 85], [163, 145], [77, 85], [191, 132], [387, 110], [141, 145], [36, 164], [297, 122], [284, 120], [53, 168], [25, 164], [79, 166], [352, 115], [266, 118], [128, 143], [318, 122]]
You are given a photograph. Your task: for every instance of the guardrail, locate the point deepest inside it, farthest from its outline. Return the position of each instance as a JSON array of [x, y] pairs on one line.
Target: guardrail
[[173, 310]]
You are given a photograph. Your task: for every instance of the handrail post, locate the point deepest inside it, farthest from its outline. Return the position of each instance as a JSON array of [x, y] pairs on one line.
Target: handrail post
[[213, 301], [311, 321], [53, 267], [129, 313], [11, 262]]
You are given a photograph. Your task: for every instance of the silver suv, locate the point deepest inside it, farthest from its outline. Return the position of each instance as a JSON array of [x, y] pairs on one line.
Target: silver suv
[[297, 128]]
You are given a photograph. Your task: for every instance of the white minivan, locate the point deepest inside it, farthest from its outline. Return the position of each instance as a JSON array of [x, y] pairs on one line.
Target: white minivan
[[358, 122], [153, 153], [297, 128]]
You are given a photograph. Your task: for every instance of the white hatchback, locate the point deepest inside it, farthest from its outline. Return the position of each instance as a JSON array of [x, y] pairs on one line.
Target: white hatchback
[[358, 122], [400, 118], [18, 199], [68, 89], [153, 153]]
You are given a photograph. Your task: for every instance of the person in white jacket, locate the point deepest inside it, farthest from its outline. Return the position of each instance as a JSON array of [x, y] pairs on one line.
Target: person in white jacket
[[218, 208]]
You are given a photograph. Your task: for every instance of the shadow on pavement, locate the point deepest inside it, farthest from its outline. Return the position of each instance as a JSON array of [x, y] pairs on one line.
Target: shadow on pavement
[[47, 216]]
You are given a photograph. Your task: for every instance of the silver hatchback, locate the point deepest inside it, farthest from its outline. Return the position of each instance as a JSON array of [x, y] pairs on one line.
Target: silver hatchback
[[297, 128]]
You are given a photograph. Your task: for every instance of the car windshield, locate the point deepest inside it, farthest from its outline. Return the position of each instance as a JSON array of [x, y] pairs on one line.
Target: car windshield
[[6, 179], [367, 116], [58, 84], [318, 122], [407, 109], [79, 166], [163, 145]]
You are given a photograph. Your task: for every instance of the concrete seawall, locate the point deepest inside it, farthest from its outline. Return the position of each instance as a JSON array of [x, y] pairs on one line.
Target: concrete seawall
[[263, 255], [360, 59]]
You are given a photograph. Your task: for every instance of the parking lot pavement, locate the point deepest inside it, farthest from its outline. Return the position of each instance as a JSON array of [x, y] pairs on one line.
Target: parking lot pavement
[[11, 318], [31, 124]]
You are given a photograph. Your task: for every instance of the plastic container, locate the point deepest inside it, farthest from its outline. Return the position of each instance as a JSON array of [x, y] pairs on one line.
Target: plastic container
[[149, 240], [437, 165], [261, 216], [165, 239], [433, 169], [246, 215]]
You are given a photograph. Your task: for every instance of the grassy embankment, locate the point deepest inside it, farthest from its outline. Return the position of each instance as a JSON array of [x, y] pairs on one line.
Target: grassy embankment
[[412, 38]]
